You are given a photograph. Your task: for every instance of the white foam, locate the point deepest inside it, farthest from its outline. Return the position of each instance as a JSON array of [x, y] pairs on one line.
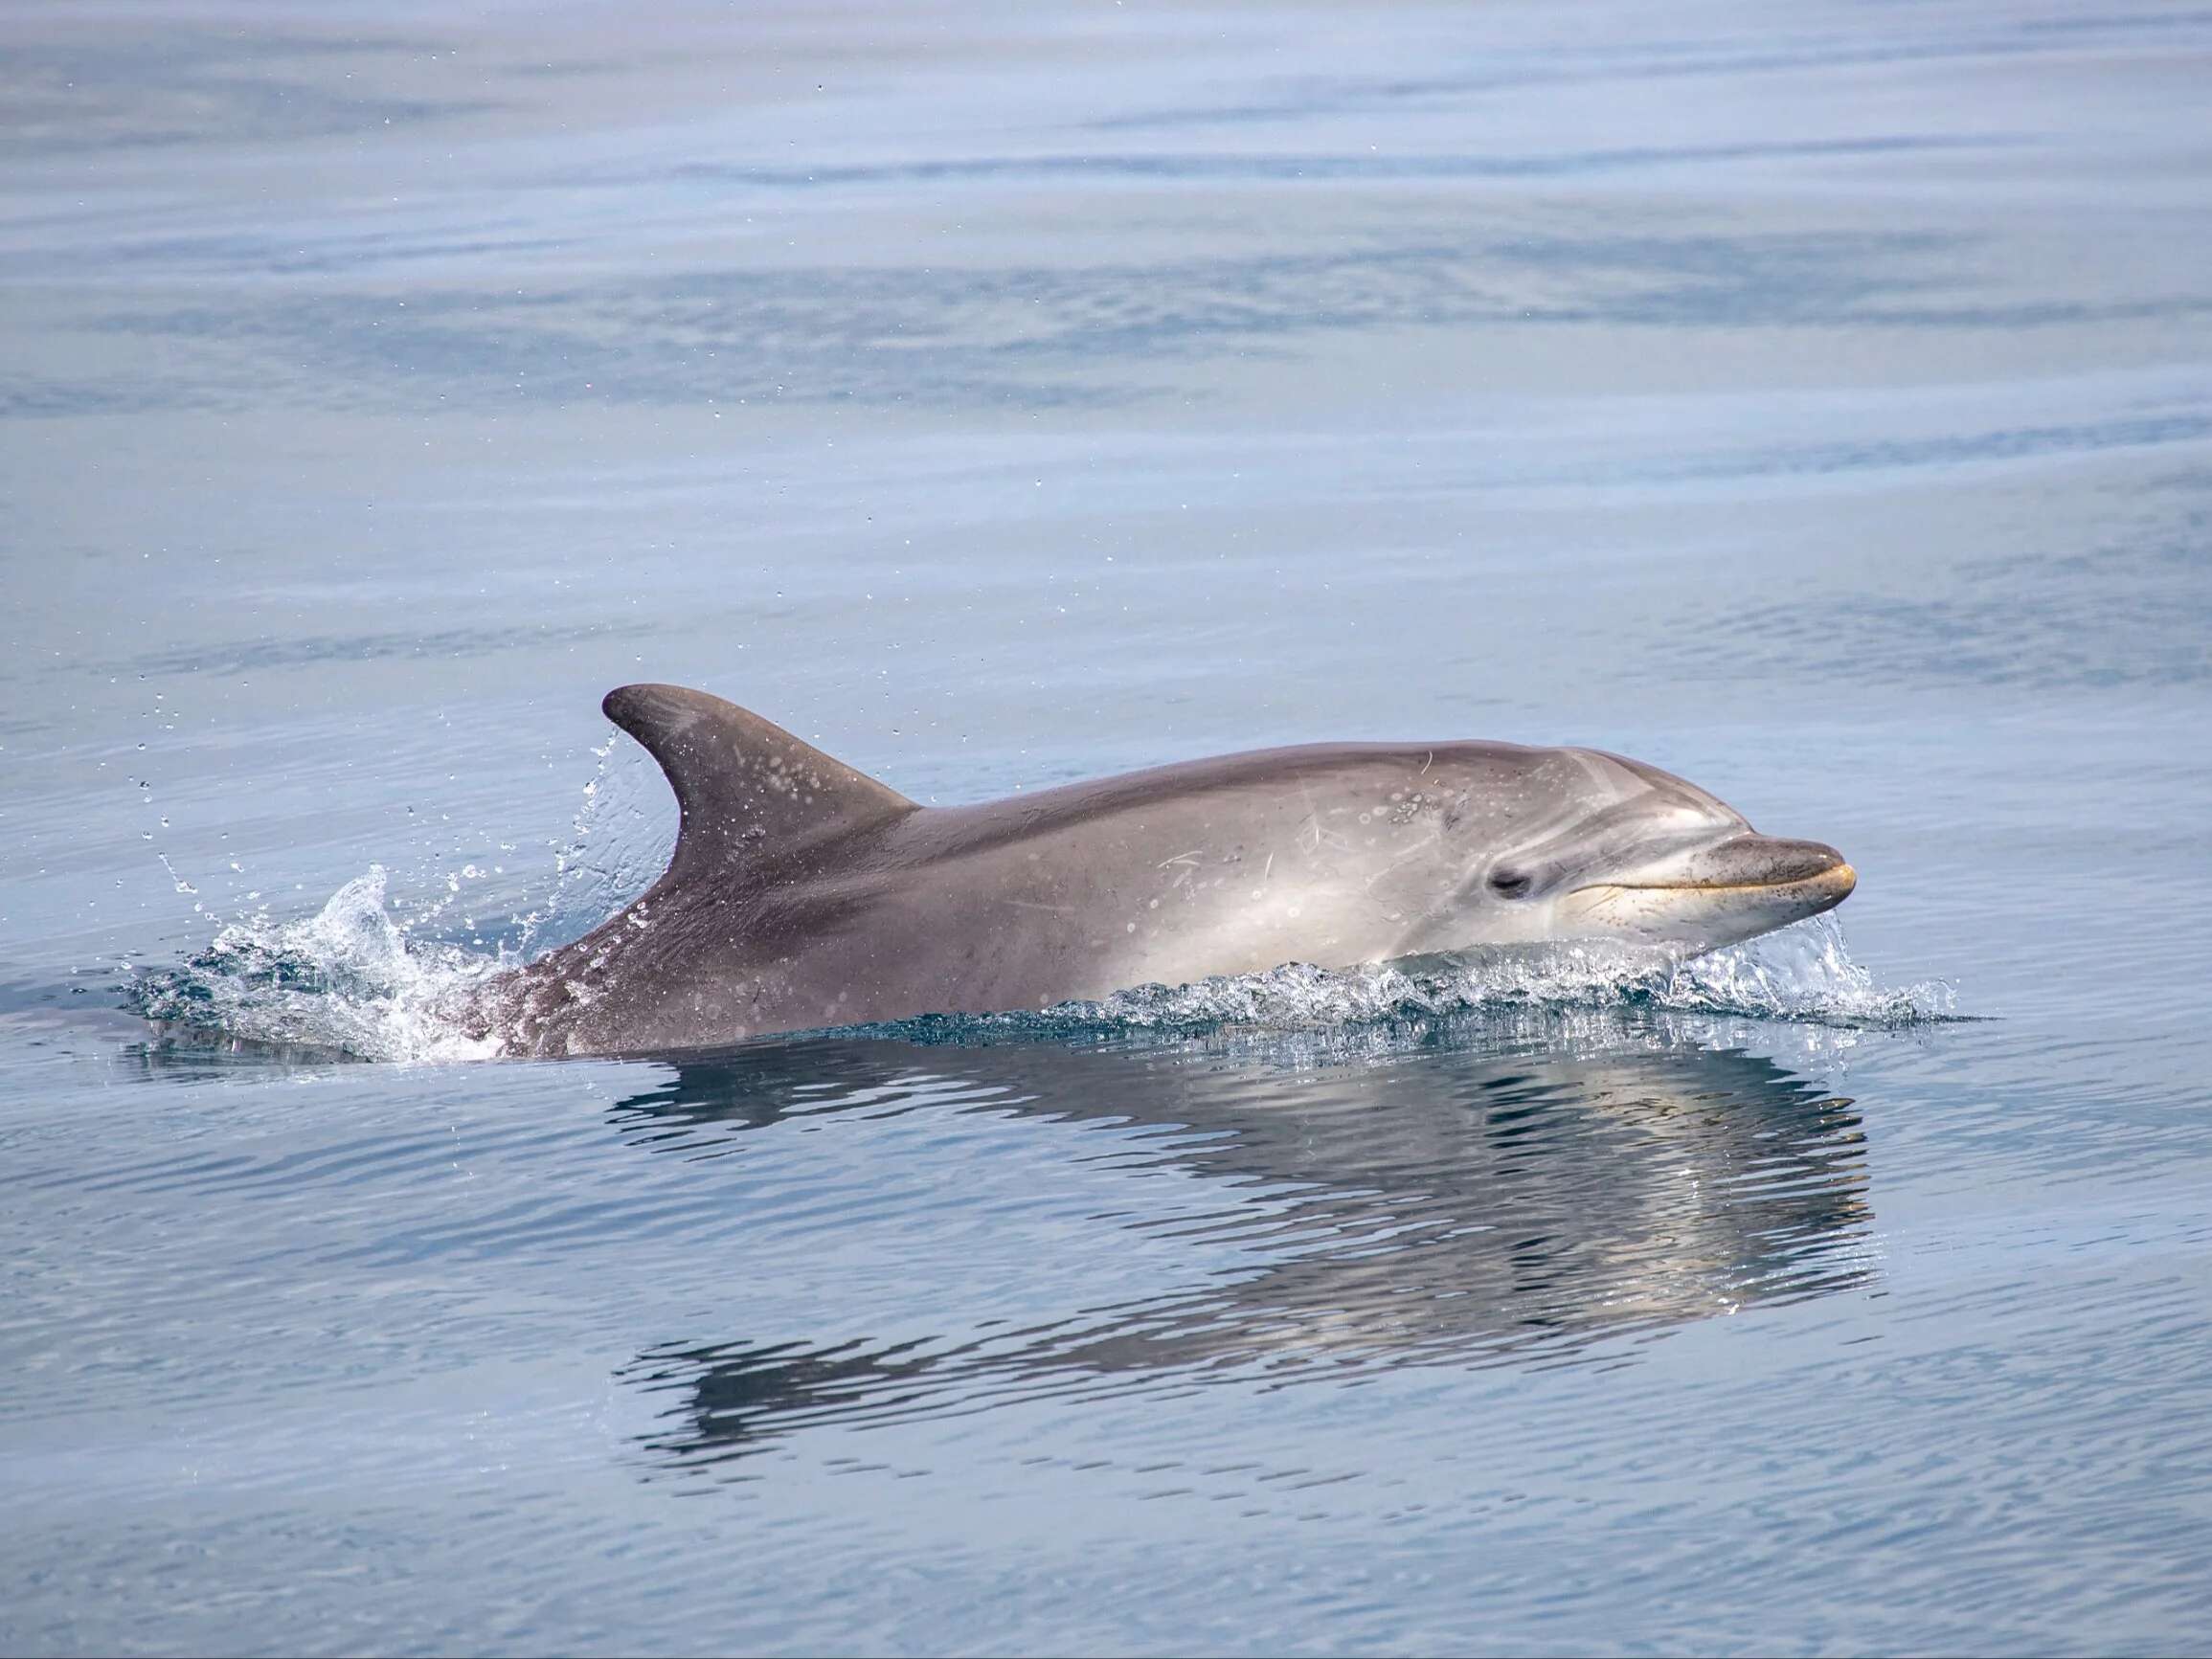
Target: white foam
[[1802, 973], [348, 978]]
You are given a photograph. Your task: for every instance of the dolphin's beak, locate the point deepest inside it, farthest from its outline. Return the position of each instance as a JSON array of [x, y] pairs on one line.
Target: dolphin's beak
[[1718, 894], [1753, 860]]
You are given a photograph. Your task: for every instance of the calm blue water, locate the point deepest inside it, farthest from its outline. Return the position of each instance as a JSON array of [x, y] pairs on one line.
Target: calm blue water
[[1815, 401]]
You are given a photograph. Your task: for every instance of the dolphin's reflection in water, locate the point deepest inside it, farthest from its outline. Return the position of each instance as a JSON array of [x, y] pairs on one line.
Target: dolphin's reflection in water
[[1460, 1194]]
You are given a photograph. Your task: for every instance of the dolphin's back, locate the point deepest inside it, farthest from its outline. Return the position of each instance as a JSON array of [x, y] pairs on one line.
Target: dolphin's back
[[1290, 774]]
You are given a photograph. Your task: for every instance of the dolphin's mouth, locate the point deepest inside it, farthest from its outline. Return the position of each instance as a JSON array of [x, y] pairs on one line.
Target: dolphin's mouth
[[1719, 893], [1749, 863], [1839, 875]]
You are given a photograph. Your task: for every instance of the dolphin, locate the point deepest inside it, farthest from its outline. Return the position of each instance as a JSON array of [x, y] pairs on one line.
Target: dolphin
[[803, 894]]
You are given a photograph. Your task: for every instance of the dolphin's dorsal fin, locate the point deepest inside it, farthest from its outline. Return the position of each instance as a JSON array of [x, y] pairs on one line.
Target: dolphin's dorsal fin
[[747, 788]]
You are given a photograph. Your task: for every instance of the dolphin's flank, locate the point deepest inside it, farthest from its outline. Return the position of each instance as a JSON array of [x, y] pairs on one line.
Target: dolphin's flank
[[803, 894]]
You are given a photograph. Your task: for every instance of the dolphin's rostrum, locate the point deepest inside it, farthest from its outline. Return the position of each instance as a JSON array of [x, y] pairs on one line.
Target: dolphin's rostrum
[[805, 894]]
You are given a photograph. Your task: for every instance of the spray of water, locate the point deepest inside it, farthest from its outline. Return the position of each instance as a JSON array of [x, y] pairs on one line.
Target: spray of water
[[348, 979], [1804, 974], [376, 971]]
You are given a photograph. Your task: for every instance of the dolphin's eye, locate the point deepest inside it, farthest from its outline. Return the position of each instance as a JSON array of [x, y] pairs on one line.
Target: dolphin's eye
[[1509, 884]]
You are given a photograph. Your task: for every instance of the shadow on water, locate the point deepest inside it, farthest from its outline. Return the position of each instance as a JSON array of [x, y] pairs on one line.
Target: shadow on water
[[1450, 1196]]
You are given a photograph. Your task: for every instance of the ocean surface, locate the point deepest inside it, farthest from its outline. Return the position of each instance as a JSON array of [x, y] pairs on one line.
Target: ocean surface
[[1815, 401]]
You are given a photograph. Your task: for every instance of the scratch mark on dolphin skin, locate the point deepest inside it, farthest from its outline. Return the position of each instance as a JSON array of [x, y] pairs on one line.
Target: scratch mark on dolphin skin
[[1031, 905], [1312, 836], [1605, 903], [1189, 857], [1436, 838]]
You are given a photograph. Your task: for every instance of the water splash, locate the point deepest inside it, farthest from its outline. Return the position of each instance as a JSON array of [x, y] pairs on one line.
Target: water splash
[[348, 979], [378, 973], [1803, 972], [617, 841]]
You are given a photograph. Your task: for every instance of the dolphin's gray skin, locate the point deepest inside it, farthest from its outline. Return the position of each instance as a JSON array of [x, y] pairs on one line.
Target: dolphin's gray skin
[[803, 894]]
